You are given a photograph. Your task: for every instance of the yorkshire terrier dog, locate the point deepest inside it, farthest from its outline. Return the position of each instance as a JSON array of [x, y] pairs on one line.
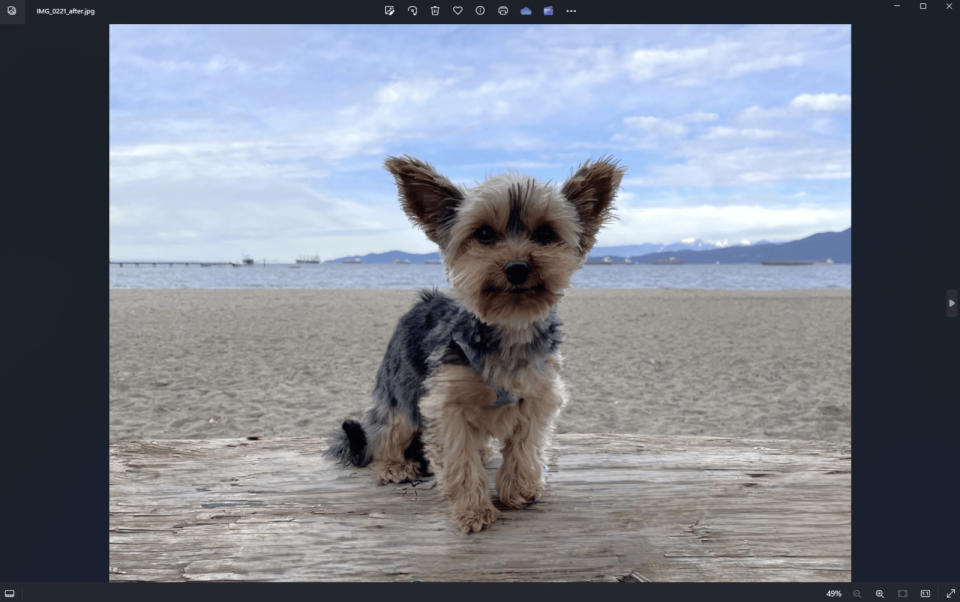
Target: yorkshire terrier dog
[[483, 364]]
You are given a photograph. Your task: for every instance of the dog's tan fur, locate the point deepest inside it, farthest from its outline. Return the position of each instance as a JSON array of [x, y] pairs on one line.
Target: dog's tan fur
[[458, 408], [460, 419], [475, 270], [389, 465]]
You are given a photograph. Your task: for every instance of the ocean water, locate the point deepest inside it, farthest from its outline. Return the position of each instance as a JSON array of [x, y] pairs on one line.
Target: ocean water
[[336, 275]]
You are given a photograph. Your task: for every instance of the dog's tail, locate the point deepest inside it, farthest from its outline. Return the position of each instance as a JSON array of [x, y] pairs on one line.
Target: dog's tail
[[351, 445]]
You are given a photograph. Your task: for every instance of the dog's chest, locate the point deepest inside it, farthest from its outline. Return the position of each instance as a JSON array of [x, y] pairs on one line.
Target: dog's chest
[[514, 363], [519, 370]]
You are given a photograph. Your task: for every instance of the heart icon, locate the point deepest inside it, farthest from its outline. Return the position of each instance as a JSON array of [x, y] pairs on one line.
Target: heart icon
[[457, 10]]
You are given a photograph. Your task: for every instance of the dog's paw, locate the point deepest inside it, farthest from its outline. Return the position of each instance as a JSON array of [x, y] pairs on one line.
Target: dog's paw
[[396, 472], [518, 494], [476, 519]]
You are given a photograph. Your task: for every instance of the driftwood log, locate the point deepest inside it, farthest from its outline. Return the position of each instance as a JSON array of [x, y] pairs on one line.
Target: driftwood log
[[617, 507]]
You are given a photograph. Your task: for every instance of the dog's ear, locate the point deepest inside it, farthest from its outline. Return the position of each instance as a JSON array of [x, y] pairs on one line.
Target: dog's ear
[[428, 198], [591, 191]]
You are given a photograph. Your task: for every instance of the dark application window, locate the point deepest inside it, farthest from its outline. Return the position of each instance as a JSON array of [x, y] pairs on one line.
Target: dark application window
[[657, 296]]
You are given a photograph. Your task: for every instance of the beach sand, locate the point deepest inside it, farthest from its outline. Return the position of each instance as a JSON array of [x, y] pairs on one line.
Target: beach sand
[[234, 363]]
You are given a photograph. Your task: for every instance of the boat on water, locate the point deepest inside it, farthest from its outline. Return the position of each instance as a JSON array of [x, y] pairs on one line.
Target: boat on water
[[352, 260], [308, 259], [247, 260], [402, 261], [609, 261], [668, 261]]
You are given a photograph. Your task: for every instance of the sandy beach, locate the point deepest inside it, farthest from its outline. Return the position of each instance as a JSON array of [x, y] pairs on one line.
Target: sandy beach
[[232, 363]]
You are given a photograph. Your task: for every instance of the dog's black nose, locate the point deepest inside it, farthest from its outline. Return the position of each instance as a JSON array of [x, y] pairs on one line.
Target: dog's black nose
[[517, 272]]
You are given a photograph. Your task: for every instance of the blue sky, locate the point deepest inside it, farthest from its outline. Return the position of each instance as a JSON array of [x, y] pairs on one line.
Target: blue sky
[[268, 140]]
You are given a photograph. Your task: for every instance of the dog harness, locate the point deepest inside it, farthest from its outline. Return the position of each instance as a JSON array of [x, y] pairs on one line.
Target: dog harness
[[475, 358]]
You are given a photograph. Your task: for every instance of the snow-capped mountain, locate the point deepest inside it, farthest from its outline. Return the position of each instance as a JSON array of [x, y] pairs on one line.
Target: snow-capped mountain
[[686, 244]]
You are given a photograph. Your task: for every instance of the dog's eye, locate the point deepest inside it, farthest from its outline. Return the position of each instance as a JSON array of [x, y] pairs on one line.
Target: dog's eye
[[485, 235], [544, 235]]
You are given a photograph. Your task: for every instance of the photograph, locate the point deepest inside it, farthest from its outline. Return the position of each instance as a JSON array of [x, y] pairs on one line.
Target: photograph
[[505, 302]]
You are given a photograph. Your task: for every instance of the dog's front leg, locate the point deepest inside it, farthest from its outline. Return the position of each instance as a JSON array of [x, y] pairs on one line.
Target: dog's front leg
[[453, 441], [520, 478]]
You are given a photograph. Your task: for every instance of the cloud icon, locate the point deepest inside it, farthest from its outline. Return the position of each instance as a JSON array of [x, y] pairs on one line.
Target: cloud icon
[[526, 11]]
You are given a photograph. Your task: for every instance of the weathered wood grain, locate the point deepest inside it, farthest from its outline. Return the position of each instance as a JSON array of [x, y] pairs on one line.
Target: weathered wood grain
[[625, 507]]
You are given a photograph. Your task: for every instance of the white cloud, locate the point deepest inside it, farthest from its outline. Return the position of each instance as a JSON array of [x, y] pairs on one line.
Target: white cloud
[[655, 125], [821, 102], [647, 64], [767, 63], [648, 132], [705, 167], [800, 105], [748, 134], [698, 117], [719, 223], [412, 91], [725, 57]]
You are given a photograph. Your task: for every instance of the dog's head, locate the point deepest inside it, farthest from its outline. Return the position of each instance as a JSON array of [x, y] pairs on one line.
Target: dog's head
[[511, 243]]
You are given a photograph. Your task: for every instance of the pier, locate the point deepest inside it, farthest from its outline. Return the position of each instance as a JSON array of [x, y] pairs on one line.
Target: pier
[[202, 264]]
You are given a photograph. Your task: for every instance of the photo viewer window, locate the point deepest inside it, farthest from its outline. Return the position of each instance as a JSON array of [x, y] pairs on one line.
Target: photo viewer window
[[663, 297]]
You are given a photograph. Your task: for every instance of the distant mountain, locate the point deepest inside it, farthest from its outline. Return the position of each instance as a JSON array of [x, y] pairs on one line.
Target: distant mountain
[[390, 257], [818, 247], [645, 248]]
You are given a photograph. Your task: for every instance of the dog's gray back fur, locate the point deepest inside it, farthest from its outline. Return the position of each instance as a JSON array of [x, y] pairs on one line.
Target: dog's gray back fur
[[438, 330]]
